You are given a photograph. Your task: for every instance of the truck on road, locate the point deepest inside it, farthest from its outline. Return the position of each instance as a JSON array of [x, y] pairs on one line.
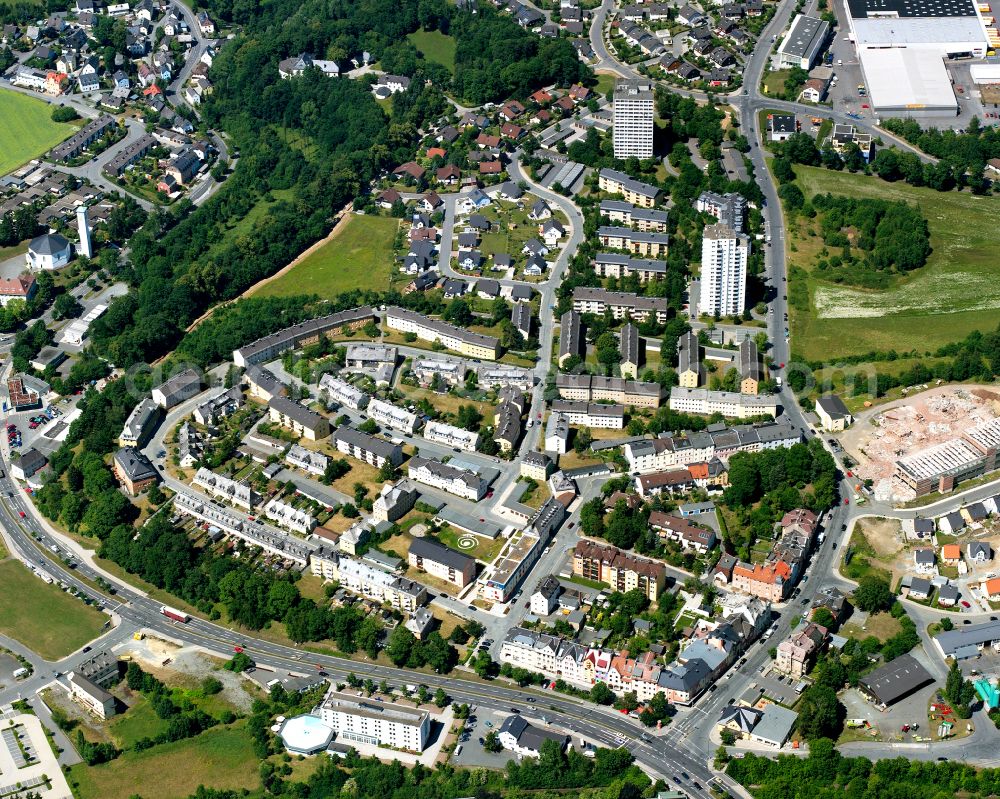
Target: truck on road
[[176, 615]]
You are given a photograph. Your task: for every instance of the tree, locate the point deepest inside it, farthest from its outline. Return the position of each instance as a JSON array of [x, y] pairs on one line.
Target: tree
[[66, 306], [601, 694], [873, 595], [824, 618], [440, 698], [491, 743], [820, 713], [400, 645]]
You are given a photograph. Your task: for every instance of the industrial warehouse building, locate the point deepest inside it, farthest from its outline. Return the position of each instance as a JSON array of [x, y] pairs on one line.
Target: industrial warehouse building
[[902, 46], [894, 681]]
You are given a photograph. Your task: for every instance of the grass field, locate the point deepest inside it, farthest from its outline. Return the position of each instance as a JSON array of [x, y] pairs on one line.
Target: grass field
[[774, 82], [27, 129], [437, 47], [220, 758], [359, 256], [139, 721], [942, 302], [41, 616]]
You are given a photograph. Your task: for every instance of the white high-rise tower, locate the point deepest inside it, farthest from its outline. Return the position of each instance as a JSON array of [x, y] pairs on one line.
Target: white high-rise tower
[[724, 256], [86, 246], [633, 119]]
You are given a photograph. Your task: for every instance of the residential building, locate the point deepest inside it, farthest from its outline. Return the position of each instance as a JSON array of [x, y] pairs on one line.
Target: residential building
[[781, 127], [595, 388], [367, 448], [729, 209], [307, 460], [520, 318], [134, 471], [724, 258], [832, 413], [690, 372], [728, 403], [451, 436], [644, 219], [438, 560], [633, 119], [749, 367], [619, 265], [634, 191], [461, 482], [518, 736], [217, 408], [141, 423], [544, 599], [394, 501], [382, 586], [557, 434], [536, 466], [465, 342], [289, 516], [654, 245], [302, 334], [507, 425], [796, 653], [769, 581], [384, 724], [226, 488], [178, 388], [262, 384], [689, 536], [91, 696], [587, 299], [23, 288], [341, 393], [590, 414], [622, 570], [389, 415], [500, 375], [29, 464], [630, 347], [301, 420], [571, 343]]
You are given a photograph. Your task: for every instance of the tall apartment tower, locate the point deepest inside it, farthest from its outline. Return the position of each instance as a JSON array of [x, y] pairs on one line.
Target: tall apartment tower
[[86, 246], [724, 255], [633, 119]]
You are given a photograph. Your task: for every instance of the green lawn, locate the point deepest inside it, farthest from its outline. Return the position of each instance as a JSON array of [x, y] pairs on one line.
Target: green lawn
[[359, 257], [220, 758], [605, 83], [43, 617], [139, 721], [437, 47], [27, 129], [774, 82], [940, 303]]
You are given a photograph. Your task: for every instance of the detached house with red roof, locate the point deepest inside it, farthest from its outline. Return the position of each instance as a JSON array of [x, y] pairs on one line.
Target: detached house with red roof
[[22, 287]]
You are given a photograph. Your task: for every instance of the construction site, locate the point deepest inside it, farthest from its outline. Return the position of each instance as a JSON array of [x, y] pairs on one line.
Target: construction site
[[926, 443]]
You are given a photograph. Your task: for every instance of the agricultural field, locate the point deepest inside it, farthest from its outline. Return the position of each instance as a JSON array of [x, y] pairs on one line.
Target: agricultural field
[[43, 617], [222, 758], [27, 130], [359, 255], [437, 47], [937, 304]]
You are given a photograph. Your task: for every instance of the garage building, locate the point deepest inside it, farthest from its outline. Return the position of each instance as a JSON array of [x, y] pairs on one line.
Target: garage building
[[894, 681]]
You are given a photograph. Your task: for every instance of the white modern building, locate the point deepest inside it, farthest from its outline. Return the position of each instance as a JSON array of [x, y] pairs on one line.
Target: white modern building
[[382, 586], [49, 251], [633, 119], [387, 724], [590, 414], [724, 257], [803, 42]]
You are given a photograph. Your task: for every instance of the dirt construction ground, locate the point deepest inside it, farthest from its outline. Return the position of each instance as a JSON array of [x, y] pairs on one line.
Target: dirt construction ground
[[883, 435]]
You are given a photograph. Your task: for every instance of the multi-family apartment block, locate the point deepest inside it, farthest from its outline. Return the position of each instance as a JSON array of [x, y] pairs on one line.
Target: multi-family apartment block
[[587, 299], [461, 482], [454, 338], [595, 388]]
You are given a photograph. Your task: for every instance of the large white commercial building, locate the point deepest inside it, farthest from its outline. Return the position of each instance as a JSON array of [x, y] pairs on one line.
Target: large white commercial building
[[903, 46], [355, 718], [724, 257], [803, 42], [633, 119]]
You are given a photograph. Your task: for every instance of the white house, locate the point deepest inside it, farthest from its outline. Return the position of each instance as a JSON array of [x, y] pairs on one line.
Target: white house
[[49, 251]]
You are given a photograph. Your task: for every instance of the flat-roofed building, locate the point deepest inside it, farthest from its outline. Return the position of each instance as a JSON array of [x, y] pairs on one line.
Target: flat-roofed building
[[474, 345], [441, 561], [803, 42], [729, 209], [724, 258], [384, 724], [632, 105]]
